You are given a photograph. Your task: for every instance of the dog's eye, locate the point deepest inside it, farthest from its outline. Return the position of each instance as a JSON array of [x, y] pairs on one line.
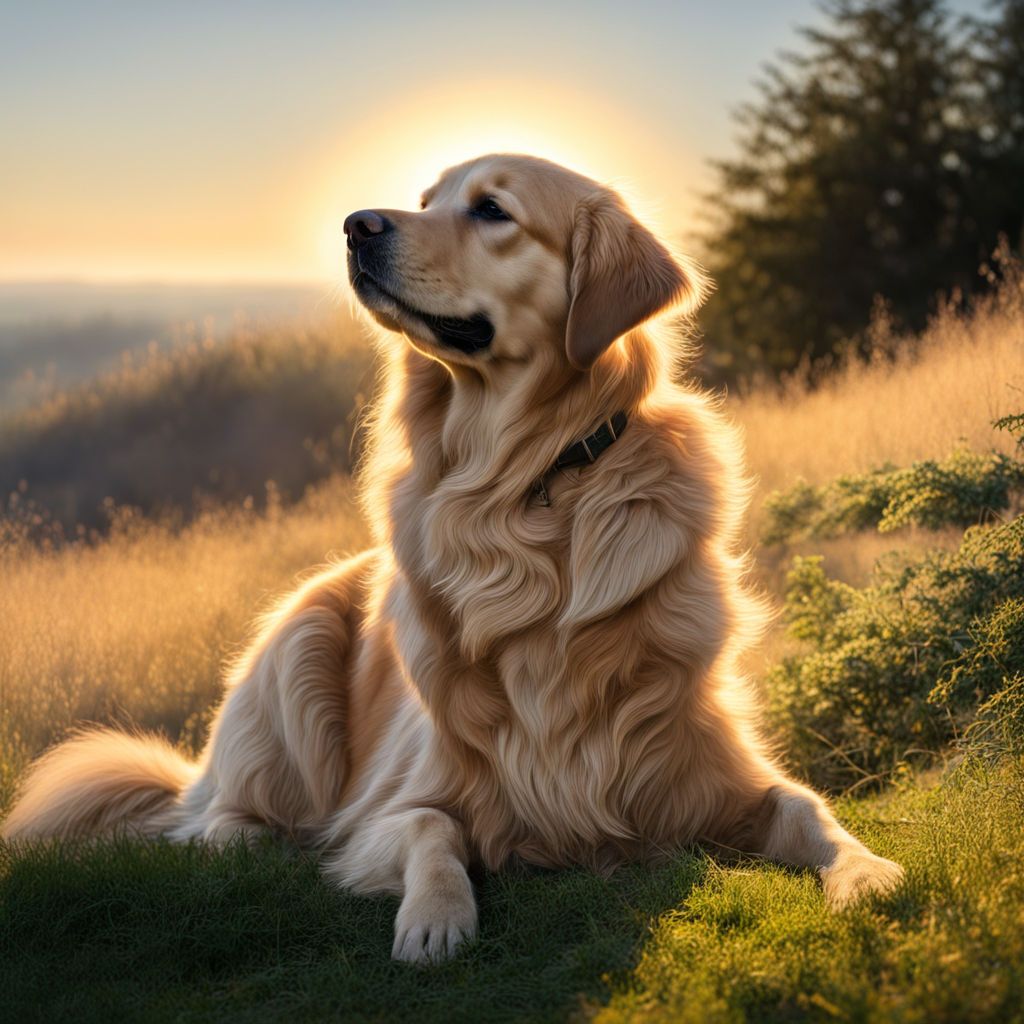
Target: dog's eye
[[488, 209]]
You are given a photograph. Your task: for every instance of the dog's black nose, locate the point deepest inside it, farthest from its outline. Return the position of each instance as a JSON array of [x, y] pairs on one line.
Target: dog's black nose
[[362, 225]]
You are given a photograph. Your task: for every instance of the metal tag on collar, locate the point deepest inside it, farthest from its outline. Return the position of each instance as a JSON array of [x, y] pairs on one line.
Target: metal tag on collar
[[540, 492]]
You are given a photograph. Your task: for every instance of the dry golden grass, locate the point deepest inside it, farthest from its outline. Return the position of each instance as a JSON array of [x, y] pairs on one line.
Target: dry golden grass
[[915, 399], [137, 628], [947, 386]]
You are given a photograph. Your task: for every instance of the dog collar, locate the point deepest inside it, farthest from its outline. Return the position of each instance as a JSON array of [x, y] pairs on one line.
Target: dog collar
[[583, 452]]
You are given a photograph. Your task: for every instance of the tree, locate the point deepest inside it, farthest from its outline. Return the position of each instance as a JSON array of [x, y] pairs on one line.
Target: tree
[[859, 176], [996, 72]]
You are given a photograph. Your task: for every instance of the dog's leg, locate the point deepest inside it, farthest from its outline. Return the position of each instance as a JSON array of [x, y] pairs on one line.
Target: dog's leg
[[420, 854], [438, 909], [796, 827]]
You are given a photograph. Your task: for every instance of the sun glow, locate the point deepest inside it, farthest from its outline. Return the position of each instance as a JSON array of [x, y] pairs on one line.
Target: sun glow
[[274, 211], [390, 156]]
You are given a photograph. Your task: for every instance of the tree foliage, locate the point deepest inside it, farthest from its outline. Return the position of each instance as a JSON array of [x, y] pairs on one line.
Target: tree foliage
[[883, 160]]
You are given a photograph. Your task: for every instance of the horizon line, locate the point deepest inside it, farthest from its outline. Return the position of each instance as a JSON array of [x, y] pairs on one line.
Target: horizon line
[[169, 281]]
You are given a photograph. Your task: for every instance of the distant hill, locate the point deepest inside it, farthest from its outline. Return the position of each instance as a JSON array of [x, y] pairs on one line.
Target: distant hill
[[171, 429], [53, 334]]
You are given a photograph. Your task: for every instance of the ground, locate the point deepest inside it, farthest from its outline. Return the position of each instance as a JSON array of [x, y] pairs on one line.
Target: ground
[[149, 931]]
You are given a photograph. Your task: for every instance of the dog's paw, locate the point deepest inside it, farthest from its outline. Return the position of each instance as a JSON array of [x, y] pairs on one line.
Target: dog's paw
[[858, 874], [435, 919]]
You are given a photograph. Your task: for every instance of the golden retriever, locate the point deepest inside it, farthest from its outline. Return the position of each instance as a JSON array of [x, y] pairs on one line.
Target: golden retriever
[[539, 657]]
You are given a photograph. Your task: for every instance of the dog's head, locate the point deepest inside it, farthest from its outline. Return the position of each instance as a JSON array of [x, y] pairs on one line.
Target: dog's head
[[509, 254]]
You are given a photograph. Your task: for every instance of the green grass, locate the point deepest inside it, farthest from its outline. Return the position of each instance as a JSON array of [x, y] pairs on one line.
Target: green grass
[[125, 930], [758, 945]]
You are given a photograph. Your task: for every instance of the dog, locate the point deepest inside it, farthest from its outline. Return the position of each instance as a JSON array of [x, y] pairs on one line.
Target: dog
[[538, 659]]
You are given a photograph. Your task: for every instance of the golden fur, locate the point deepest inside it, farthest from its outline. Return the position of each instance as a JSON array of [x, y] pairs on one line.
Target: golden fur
[[497, 678]]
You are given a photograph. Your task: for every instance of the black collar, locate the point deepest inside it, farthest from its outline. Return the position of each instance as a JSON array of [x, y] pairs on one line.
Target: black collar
[[583, 452]]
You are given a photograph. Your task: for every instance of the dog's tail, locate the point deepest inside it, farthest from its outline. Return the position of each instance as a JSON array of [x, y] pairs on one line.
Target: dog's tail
[[98, 781]]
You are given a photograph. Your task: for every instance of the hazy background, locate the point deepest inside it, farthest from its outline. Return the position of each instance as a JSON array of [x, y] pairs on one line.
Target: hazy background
[[166, 170], [229, 140]]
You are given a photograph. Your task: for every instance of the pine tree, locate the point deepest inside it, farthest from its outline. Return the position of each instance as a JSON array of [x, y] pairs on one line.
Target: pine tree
[[996, 71], [853, 181]]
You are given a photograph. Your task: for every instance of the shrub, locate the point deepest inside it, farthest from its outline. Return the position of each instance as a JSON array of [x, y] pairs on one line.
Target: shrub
[[966, 488], [931, 651]]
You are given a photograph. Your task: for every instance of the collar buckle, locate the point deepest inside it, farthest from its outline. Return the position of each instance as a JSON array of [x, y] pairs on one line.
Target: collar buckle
[[583, 452]]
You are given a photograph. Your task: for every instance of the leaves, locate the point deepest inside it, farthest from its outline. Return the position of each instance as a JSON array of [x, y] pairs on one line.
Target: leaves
[[931, 651], [884, 158]]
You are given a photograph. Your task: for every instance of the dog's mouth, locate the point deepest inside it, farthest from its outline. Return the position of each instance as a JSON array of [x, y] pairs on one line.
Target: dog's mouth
[[467, 335]]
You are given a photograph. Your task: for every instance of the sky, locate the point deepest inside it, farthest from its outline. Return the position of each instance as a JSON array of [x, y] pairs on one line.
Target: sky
[[227, 140]]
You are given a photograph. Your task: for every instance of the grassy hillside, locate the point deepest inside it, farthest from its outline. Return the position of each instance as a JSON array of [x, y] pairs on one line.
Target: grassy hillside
[[134, 627], [917, 398], [170, 431], [55, 334]]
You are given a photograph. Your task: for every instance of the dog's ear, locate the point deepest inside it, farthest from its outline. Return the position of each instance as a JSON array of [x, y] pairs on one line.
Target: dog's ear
[[621, 275]]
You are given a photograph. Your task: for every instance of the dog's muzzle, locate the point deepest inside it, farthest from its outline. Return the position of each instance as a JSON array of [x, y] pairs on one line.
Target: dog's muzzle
[[373, 276]]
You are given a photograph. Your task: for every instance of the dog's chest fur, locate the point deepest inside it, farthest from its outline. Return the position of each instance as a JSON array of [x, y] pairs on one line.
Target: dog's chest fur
[[561, 653], [538, 721]]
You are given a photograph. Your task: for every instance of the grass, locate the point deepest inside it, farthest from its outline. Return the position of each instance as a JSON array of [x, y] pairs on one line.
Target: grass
[[129, 931], [171, 933], [138, 627], [212, 420], [916, 398], [759, 945], [135, 626]]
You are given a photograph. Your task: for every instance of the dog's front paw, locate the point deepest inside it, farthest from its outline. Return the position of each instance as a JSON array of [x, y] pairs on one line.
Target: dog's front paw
[[857, 874], [435, 919]]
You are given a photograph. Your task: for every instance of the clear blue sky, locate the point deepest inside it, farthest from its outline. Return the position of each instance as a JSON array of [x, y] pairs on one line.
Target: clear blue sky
[[226, 139]]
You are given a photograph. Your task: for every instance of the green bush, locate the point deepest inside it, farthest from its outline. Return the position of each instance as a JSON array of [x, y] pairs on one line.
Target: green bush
[[990, 670], [930, 652], [964, 489]]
